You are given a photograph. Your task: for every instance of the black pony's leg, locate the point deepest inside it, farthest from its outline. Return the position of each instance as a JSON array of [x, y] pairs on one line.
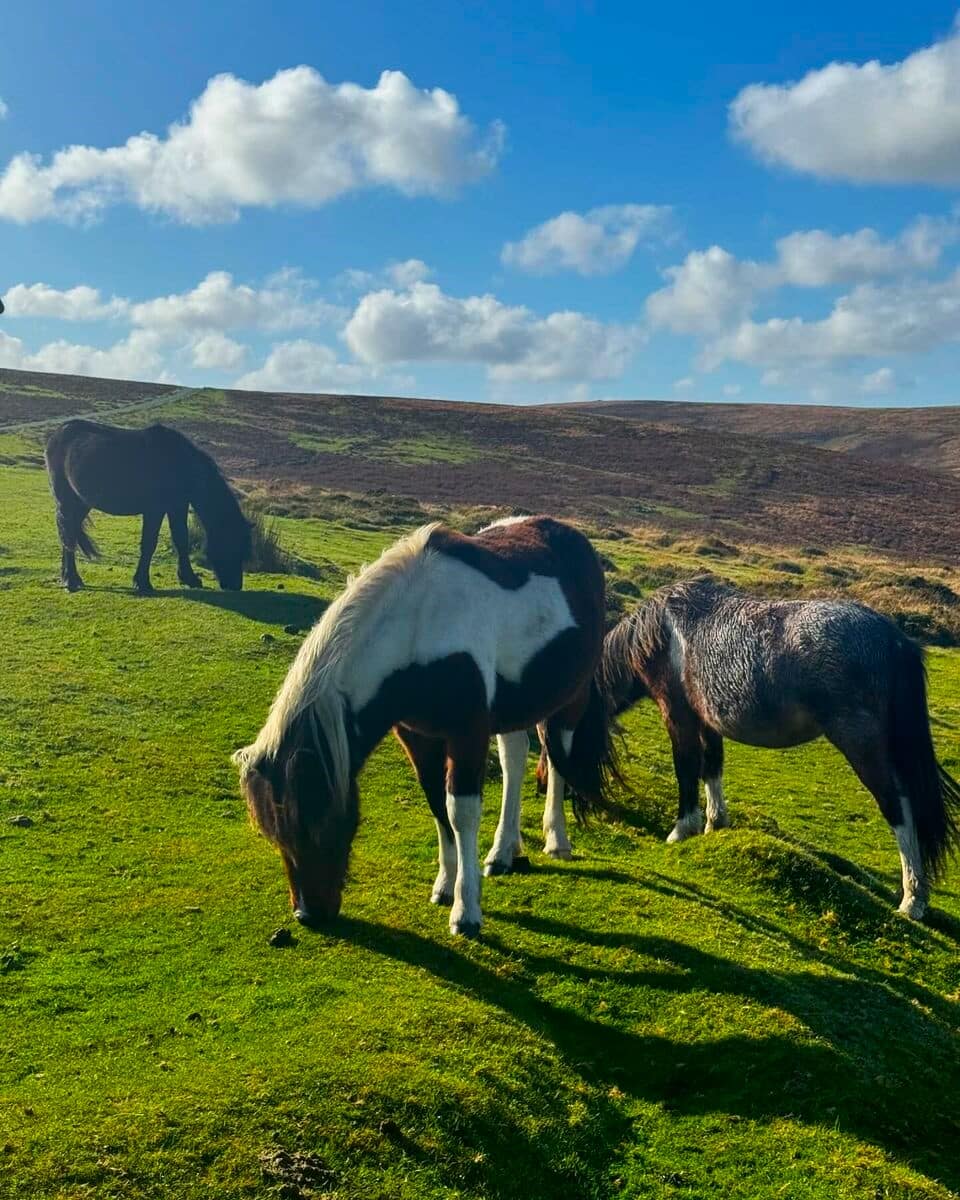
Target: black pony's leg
[[862, 740], [711, 770], [148, 543], [177, 520], [684, 729], [429, 758]]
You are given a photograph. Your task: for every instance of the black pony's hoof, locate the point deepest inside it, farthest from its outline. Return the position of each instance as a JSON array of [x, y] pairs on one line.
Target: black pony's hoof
[[193, 582], [73, 585], [140, 589]]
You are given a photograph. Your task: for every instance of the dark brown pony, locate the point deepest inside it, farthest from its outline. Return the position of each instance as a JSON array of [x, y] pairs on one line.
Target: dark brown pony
[[447, 639], [779, 673], [154, 471]]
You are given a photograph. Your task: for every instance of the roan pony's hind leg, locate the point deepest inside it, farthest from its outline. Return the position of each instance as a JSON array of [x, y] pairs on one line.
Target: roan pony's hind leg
[[684, 728], [863, 742], [711, 770], [506, 854], [428, 756], [177, 520]]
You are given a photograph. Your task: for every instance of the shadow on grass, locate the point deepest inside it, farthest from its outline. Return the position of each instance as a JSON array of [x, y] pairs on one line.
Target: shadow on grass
[[865, 1046], [271, 608]]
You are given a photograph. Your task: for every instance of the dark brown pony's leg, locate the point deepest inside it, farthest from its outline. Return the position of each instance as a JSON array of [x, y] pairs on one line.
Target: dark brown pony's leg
[[711, 771], [429, 758], [148, 543], [684, 727], [466, 761], [177, 520]]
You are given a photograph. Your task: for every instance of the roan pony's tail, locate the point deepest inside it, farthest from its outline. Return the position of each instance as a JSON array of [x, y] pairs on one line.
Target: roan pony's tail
[[591, 766], [934, 796]]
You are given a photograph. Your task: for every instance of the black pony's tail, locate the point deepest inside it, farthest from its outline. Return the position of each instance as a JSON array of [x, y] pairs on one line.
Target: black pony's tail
[[74, 532], [934, 796], [591, 765]]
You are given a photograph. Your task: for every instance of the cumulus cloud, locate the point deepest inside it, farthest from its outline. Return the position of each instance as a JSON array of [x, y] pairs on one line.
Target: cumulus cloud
[[712, 290], [869, 123], [425, 324], [217, 351], [75, 304], [597, 242], [873, 320], [295, 139], [879, 383], [709, 290], [305, 366], [137, 356], [217, 302]]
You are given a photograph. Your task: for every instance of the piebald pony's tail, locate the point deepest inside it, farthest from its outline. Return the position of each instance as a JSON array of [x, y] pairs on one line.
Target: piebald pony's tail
[[590, 767]]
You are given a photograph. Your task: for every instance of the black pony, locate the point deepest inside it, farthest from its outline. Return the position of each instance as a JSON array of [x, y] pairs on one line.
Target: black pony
[[779, 673], [154, 471]]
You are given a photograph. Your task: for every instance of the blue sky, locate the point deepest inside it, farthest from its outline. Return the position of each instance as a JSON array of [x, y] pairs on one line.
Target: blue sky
[[536, 202]]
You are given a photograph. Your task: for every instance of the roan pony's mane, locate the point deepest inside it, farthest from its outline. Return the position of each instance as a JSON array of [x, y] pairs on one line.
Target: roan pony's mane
[[314, 684]]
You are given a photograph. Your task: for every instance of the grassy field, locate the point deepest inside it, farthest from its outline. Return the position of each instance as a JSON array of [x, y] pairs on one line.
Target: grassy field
[[738, 1016]]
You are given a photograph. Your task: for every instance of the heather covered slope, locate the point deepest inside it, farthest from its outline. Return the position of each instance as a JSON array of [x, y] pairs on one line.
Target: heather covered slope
[[294, 450]]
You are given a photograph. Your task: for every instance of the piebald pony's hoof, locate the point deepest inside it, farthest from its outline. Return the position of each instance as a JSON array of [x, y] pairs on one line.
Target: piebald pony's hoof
[[444, 899], [913, 909], [562, 853], [497, 868], [469, 929]]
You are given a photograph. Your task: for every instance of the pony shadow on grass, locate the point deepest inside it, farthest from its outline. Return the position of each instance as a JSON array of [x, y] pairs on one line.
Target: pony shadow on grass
[[869, 1045], [270, 608]]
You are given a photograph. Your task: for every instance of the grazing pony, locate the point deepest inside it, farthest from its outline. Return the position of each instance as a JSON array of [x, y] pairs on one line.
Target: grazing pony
[[447, 639], [154, 471], [779, 673]]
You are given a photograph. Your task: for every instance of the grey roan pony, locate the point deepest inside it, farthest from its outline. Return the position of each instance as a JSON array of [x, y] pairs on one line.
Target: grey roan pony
[[155, 471], [779, 673]]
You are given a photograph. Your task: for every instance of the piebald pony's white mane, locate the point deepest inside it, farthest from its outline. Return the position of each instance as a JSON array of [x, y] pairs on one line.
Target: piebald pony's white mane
[[314, 681]]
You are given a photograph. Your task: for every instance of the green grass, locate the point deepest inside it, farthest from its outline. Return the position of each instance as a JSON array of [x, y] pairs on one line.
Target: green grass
[[739, 1016], [410, 451]]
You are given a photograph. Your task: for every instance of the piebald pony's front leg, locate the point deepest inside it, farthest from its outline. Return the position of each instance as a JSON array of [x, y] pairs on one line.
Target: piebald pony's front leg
[[507, 850], [466, 758]]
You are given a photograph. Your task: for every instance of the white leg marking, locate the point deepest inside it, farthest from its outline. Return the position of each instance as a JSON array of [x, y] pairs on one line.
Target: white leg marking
[[716, 805], [447, 875], [914, 902], [688, 826], [555, 840], [507, 844], [464, 814]]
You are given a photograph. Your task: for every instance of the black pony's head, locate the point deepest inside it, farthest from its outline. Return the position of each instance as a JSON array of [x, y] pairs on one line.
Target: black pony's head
[[228, 548]]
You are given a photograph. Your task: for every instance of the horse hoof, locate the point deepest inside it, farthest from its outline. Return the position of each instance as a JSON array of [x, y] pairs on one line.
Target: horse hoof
[[469, 929], [913, 909], [73, 585], [561, 853], [140, 590], [497, 868], [444, 899], [195, 582]]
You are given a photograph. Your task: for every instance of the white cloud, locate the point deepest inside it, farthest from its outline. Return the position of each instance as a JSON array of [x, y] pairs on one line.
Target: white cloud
[[135, 357], [285, 302], [425, 324], [909, 316], [217, 351], [684, 384], [3, 110], [595, 243], [710, 290], [732, 390], [305, 366], [869, 123], [75, 304], [879, 383], [405, 274], [294, 139]]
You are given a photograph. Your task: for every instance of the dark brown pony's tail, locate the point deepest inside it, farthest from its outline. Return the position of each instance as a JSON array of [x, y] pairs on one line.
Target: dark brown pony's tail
[[933, 794], [85, 543], [591, 766], [543, 770], [73, 533]]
